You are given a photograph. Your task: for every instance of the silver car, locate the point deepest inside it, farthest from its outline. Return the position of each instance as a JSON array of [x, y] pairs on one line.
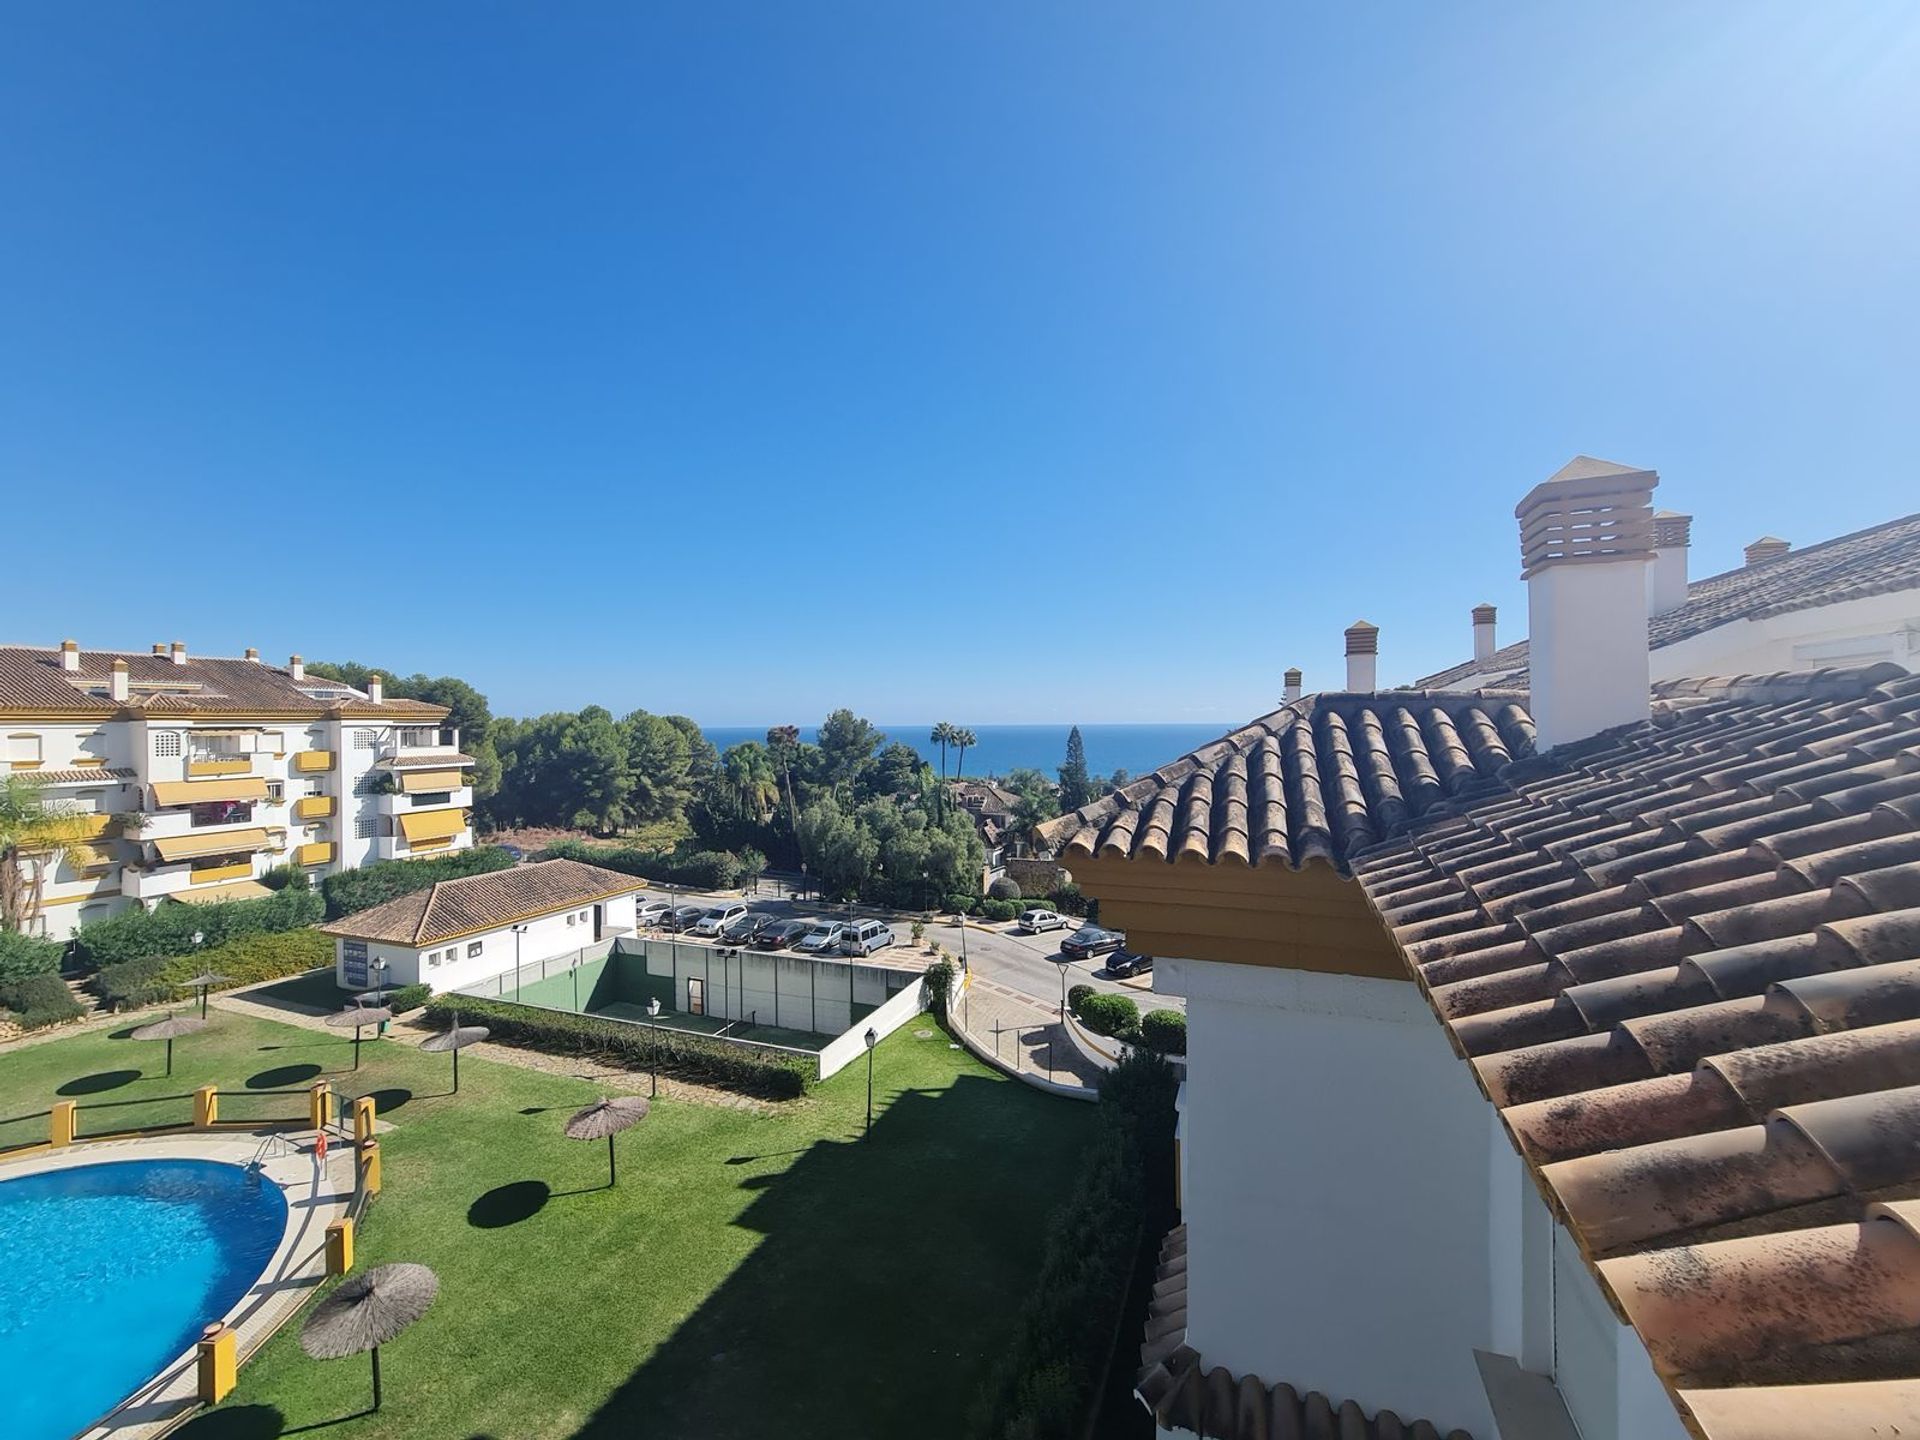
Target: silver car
[[822, 939], [718, 917]]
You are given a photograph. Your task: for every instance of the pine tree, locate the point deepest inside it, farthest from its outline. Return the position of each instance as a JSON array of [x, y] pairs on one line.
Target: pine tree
[[1076, 785]]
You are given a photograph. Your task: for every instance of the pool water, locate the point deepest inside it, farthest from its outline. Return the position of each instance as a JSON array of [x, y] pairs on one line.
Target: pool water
[[108, 1272]]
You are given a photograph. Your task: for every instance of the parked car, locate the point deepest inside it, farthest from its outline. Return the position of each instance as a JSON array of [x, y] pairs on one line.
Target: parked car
[[822, 939], [863, 937], [742, 928], [781, 934], [1091, 940], [651, 912], [684, 918], [1036, 922], [715, 917], [1124, 964]]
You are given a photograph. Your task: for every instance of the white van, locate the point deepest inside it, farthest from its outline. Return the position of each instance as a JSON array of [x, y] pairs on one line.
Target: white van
[[863, 937]]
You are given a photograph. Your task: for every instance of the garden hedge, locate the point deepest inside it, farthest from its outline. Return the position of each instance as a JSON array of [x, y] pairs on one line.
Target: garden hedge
[[688, 1057], [1114, 1015], [409, 997], [136, 934], [151, 980], [1164, 1032], [370, 885], [38, 1001], [24, 955], [693, 869]]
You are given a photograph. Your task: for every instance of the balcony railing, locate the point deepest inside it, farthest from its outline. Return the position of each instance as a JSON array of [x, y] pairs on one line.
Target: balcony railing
[[220, 765], [313, 807], [312, 762]]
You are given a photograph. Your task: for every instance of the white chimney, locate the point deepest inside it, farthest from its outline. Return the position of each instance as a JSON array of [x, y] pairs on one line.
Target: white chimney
[[1483, 641], [1767, 547], [297, 668], [1586, 538], [253, 655], [376, 689], [1293, 685], [117, 685], [1667, 576], [70, 656], [179, 652], [1363, 649]]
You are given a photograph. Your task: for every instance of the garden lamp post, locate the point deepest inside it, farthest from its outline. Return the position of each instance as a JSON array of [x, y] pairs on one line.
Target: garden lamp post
[[574, 969], [1063, 994], [379, 968], [653, 1050], [872, 1038]]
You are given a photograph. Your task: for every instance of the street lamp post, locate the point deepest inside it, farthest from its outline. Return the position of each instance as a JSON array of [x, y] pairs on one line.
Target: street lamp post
[[575, 969], [518, 931], [872, 1038], [653, 1050], [379, 984]]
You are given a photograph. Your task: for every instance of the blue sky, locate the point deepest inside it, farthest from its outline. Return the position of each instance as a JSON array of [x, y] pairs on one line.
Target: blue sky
[[994, 361]]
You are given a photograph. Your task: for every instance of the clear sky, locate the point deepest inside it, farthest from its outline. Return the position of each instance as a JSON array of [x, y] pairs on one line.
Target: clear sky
[[993, 361]]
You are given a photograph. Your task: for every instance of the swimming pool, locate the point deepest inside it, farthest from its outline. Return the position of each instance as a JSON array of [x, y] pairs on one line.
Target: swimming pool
[[109, 1271]]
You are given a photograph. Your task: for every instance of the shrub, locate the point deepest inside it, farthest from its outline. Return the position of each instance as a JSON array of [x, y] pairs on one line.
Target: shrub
[[132, 983], [1005, 888], [1078, 994], [38, 1001], [153, 979], [1069, 900], [24, 955], [940, 977], [694, 869], [287, 877], [1105, 1014], [371, 885], [690, 1057], [962, 904], [1000, 909], [409, 997], [1164, 1032], [136, 934]]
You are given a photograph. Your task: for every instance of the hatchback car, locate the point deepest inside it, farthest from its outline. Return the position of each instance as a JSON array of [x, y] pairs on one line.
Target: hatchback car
[[742, 928], [863, 937], [714, 917], [684, 917], [781, 934], [1091, 940], [651, 912], [1124, 965], [1036, 922], [823, 938]]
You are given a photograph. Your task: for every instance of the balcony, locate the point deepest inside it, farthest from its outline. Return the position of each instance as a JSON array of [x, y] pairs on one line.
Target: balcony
[[401, 802], [312, 762], [314, 807], [208, 874], [320, 852], [219, 765]]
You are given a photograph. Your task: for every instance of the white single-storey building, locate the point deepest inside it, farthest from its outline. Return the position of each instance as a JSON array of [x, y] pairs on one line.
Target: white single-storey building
[[460, 932]]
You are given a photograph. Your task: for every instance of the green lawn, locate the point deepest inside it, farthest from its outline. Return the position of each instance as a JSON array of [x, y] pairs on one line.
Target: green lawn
[[752, 1274]]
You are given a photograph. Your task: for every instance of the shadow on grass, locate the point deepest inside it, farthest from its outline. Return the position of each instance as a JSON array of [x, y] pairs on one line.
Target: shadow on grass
[[124, 1033], [94, 1084], [386, 1101], [509, 1204], [253, 1422], [766, 1155], [282, 1076]]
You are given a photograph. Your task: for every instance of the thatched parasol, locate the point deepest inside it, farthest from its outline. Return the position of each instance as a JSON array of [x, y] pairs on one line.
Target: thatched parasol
[[605, 1119], [167, 1030], [359, 1017], [366, 1311], [453, 1042], [203, 982]]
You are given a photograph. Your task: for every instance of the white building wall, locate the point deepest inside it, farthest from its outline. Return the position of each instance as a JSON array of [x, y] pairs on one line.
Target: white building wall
[[1336, 1190], [546, 937], [1856, 632]]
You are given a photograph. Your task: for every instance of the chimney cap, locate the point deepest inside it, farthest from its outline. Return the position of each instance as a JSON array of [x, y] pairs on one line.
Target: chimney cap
[[1671, 529], [1589, 511], [253, 652], [1293, 676], [1767, 547], [119, 664], [1485, 614], [159, 647], [1363, 638], [69, 644]]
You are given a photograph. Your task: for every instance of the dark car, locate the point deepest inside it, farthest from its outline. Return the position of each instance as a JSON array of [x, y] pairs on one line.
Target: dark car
[[780, 934], [742, 928], [1124, 964], [684, 918], [1091, 940]]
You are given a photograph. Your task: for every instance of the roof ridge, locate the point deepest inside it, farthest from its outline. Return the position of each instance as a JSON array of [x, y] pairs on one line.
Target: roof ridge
[[433, 894], [1814, 549]]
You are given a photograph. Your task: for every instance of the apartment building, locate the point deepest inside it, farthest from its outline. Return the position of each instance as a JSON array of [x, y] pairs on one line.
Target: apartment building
[[196, 776]]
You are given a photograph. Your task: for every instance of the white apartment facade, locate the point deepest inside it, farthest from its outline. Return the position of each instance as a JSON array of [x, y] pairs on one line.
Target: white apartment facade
[[193, 777]]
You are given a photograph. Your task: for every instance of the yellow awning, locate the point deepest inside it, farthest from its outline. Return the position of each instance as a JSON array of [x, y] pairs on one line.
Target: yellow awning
[[214, 894], [219, 842], [168, 793], [412, 782], [432, 825]]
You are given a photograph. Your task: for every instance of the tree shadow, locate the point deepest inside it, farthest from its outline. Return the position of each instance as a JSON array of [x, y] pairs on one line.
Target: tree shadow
[[765, 1155], [508, 1204], [94, 1084], [236, 1422], [282, 1076]]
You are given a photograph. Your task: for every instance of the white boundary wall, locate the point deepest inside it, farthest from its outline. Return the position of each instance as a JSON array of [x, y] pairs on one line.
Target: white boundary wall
[[843, 1050]]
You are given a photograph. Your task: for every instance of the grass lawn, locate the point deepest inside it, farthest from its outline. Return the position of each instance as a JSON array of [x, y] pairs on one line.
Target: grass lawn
[[752, 1273]]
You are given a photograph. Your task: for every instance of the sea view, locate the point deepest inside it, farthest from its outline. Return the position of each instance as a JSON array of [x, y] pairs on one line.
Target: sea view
[[1137, 749]]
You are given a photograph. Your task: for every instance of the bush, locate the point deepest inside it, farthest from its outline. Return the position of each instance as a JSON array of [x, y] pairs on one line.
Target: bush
[[690, 1057], [1005, 888], [1114, 1015], [694, 869], [38, 1001], [940, 977], [1164, 1032], [287, 877], [409, 997], [1077, 995], [24, 955], [132, 983], [371, 885], [154, 979], [1000, 909], [136, 934], [962, 904], [1068, 900]]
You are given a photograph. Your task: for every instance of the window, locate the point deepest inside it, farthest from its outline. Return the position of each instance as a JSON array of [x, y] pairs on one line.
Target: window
[[363, 827], [418, 737], [274, 740], [276, 792], [473, 948], [573, 919], [23, 749], [433, 959], [221, 812], [89, 801], [433, 797], [166, 742], [363, 740]]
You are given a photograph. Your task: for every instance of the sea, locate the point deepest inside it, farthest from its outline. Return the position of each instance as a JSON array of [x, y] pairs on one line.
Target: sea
[[1137, 749]]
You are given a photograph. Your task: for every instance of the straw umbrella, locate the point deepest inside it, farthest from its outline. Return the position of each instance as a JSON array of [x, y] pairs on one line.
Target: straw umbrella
[[359, 1017], [167, 1029], [203, 982], [454, 1041], [605, 1119], [366, 1311]]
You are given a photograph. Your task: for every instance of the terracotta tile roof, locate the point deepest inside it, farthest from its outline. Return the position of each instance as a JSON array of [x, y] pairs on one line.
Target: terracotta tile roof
[[1183, 1393], [1868, 562], [483, 902], [1683, 960], [425, 760], [81, 775], [31, 680], [1323, 777]]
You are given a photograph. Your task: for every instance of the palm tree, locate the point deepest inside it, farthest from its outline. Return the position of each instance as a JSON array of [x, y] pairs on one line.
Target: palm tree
[[782, 742], [749, 772], [963, 740], [31, 835], [942, 736]]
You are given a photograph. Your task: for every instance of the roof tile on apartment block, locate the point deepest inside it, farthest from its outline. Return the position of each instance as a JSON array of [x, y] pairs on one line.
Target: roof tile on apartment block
[[33, 680], [1323, 777], [1683, 960]]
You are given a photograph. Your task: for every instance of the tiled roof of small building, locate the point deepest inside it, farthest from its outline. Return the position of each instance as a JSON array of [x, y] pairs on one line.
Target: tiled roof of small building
[[1185, 1394], [32, 680], [1683, 960], [1323, 777], [1867, 562], [484, 902]]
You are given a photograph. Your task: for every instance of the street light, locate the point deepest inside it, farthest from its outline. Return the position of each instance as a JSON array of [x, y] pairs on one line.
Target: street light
[[198, 937], [872, 1038], [574, 968], [379, 969], [518, 931], [653, 1050]]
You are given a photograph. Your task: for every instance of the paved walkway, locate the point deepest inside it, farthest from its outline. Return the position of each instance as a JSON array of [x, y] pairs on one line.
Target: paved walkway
[[1026, 1035]]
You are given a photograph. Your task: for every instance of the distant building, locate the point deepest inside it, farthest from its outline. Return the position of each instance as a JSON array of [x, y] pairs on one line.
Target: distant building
[[195, 776]]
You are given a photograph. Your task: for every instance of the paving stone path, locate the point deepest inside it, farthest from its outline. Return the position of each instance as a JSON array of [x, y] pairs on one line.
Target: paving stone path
[[1029, 1034]]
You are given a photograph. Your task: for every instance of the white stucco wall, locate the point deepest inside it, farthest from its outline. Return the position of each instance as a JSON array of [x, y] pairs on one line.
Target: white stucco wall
[[547, 937], [1336, 1190], [1588, 657], [1857, 632]]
